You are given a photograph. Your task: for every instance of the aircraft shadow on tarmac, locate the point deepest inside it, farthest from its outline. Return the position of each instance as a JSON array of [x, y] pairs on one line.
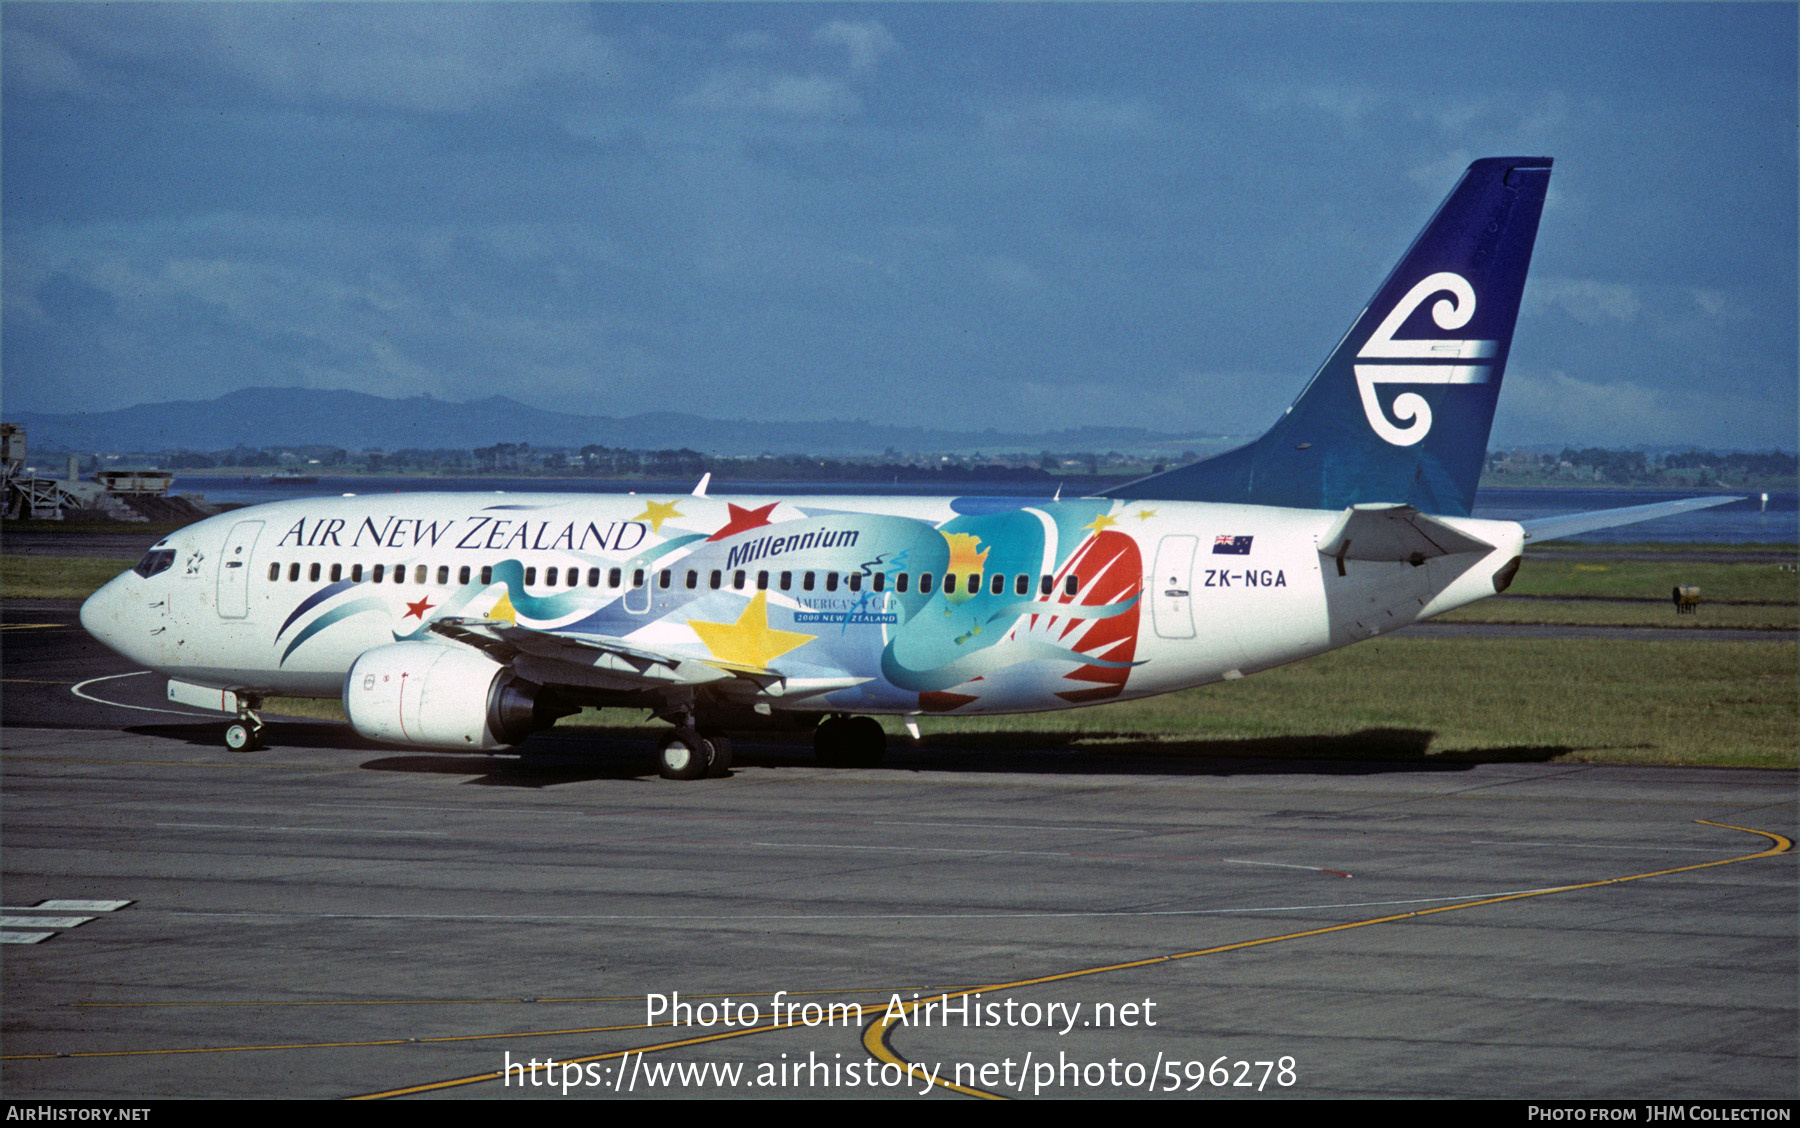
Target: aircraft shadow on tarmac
[[554, 758]]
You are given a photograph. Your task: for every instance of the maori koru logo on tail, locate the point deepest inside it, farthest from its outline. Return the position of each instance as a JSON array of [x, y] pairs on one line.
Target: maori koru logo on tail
[[1426, 362]]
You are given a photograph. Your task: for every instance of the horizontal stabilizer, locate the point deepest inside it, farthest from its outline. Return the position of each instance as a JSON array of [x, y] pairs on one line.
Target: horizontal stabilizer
[[1393, 532], [1552, 528]]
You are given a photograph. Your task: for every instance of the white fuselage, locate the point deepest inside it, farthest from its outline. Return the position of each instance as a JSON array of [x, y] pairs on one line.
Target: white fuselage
[[903, 604]]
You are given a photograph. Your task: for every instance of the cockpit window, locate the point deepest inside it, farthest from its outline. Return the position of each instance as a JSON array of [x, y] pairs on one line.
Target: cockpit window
[[154, 561]]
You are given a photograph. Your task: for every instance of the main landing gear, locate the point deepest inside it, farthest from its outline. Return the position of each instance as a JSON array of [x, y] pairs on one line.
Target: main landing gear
[[246, 733], [849, 742], [685, 754]]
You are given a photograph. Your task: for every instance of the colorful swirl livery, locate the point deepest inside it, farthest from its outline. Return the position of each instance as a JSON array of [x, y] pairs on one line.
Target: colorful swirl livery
[[459, 621]]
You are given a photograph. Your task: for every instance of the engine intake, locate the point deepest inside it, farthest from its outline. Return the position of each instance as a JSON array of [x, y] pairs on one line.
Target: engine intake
[[436, 695]]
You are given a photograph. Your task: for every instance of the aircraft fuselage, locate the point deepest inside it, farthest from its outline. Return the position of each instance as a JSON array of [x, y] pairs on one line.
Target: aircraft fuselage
[[888, 605]]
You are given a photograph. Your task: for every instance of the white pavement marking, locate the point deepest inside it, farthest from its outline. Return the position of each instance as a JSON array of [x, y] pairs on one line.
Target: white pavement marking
[[76, 690], [10, 925], [66, 906]]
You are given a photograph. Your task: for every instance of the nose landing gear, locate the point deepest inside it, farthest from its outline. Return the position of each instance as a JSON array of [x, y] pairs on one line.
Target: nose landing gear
[[246, 733]]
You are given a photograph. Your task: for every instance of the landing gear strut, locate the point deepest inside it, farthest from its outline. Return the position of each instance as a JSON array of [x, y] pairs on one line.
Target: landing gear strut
[[849, 742], [245, 734]]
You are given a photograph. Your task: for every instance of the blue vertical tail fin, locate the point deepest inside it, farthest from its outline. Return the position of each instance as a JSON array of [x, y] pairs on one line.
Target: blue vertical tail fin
[[1400, 411]]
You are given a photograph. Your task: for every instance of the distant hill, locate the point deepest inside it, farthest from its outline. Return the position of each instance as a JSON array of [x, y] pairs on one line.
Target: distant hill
[[277, 417]]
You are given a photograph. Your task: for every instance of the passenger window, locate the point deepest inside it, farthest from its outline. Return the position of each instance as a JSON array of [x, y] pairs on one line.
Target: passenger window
[[925, 583], [443, 575], [530, 577], [399, 573], [665, 578], [762, 581], [806, 582], [356, 573], [856, 581], [1045, 585], [593, 577], [831, 581], [998, 587], [293, 573], [1071, 585], [145, 567], [880, 582], [949, 583], [613, 576], [900, 583], [713, 581], [787, 580], [487, 574], [693, 579], [337, 572], [550, 575], [419, 573], [1022, 586], [462, 574], [312, 574], [737, 580], [637, 577]]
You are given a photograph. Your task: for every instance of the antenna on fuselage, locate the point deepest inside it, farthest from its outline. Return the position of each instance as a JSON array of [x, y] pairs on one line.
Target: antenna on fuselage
[[700, 490]]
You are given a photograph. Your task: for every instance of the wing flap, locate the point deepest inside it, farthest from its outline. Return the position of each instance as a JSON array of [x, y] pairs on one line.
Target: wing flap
[[605, 663]]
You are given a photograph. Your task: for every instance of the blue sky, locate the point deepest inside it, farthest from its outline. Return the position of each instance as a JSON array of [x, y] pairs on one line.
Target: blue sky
[[1020, 216]]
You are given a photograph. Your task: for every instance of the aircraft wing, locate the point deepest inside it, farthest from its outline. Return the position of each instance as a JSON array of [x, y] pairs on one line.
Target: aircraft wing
[[1540, 529], [601, 662]]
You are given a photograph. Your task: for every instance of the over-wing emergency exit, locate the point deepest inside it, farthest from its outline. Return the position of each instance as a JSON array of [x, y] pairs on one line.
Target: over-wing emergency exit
[[470, 621]]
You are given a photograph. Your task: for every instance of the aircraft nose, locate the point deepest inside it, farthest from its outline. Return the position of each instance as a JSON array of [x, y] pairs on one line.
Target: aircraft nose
[[100, 613]]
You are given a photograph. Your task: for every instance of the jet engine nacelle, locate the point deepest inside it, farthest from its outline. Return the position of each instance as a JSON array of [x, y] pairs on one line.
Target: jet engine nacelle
[[438, 695]]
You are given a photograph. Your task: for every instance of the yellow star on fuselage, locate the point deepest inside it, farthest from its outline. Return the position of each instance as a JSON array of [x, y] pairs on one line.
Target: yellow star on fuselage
[[750, 641], [502, 611], [1145, 514], [1101, 523], [656, 512]]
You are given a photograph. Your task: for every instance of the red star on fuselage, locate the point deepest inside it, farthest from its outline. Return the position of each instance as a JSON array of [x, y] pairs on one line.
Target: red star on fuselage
[[418, 609], [743, 520]]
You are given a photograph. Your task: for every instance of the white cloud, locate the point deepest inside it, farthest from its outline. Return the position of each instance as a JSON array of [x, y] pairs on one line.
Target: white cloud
[[1717, 305], [786, 94], [865, 40], [1348, 104], [1082, 115], [1553, 407], [752, 42], [448, 57], [36, 64], [1437, 176], [1011, 273], [1587, 300]]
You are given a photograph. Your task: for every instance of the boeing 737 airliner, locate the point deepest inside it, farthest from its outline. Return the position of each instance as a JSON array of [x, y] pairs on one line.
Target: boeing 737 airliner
[[470, 621]]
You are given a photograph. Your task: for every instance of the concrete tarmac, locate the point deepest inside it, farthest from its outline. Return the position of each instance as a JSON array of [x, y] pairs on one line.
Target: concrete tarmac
[[329, 919]]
